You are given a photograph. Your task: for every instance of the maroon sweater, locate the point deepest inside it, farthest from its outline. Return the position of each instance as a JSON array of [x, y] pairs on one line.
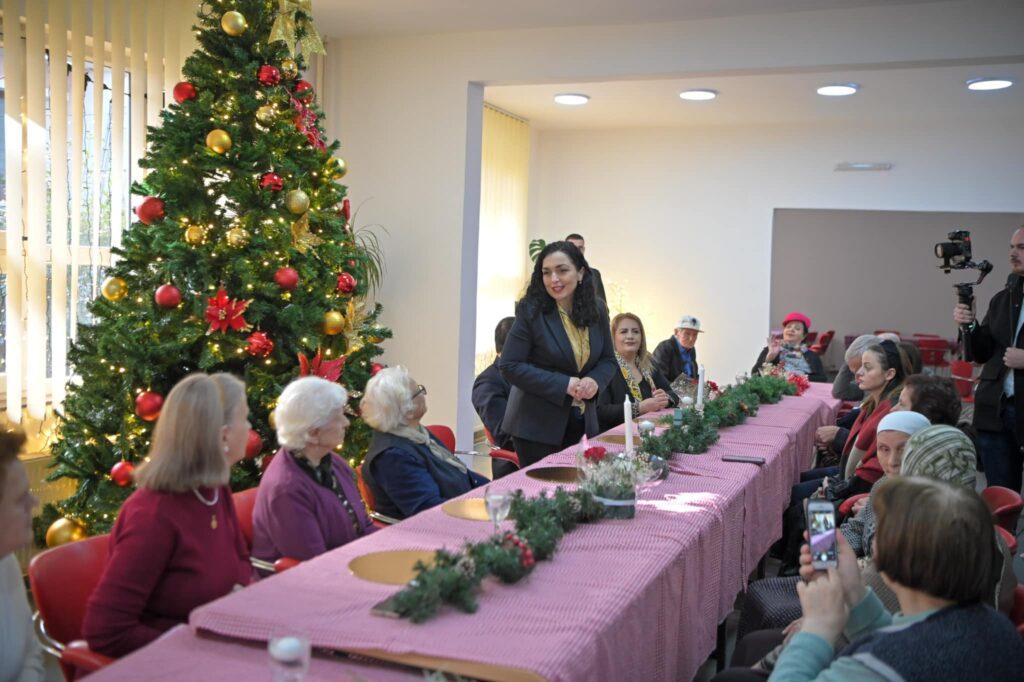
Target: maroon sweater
[[165, 560]]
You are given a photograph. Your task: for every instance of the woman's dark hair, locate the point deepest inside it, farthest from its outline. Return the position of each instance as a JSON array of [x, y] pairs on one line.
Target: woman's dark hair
[[913, 358], [891, 357], [585, 311], [935, 398]]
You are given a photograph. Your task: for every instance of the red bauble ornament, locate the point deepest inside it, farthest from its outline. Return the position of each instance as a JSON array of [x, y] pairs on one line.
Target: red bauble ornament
[[253, 444], [351, 263], [287, 278], [122, 473], [374, 368], [346, 283], [268, 75], [148, 404], [271, 181], [167, 296], [265, 462], [346, 210], [260, 345], [304, 92], [150, 210], [184, 91]]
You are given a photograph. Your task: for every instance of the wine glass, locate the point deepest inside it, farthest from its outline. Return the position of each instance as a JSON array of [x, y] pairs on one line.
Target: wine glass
[[498, 504], [289, 657]]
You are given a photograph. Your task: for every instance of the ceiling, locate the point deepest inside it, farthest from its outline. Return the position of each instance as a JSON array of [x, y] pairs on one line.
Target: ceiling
[[341, 18], [908, 94]]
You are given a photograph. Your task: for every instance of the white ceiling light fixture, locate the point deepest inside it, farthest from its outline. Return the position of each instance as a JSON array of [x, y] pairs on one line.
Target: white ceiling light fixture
[[572, 99], [838, 89], [864, 166], [698, 94], [989, 84]]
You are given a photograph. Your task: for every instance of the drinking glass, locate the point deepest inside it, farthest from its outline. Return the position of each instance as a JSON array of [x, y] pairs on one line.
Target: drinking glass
[[498, 503], [289, 657]]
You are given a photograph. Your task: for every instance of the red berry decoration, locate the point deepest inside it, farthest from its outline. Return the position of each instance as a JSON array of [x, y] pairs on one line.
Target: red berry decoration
[[346, 210], [184, 91], [304, 92], [167, 296], [287, 278], [268, 75], [271, 181], [260, 345], [346, 283], [253, 444], [150, 210], [122, 473], [374, 368], [148, 404]]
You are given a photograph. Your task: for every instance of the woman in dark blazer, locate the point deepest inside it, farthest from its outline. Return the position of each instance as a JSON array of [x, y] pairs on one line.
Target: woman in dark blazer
[[647, 388], [557, 357]]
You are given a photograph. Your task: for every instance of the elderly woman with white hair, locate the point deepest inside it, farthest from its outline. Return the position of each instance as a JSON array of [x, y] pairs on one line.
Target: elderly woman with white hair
[[845, 386], [406, 467], [308, 501]]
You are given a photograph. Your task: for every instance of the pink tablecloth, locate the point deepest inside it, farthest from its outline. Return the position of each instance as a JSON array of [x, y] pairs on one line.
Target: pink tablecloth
[[181, 655], [636, 599]]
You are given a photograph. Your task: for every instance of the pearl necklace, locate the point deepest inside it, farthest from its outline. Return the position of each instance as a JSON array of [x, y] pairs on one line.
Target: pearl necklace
[[209, 503]]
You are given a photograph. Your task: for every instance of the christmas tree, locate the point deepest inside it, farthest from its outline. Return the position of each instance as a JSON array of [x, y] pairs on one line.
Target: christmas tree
[[243, 260]]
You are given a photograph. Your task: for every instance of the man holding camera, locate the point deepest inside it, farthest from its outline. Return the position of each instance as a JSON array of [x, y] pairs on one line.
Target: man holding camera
[[999, 401]]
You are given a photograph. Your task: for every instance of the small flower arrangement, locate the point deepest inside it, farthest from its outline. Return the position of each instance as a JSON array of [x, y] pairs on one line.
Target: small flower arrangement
[[801, 382], [594, 454], [612, 480]]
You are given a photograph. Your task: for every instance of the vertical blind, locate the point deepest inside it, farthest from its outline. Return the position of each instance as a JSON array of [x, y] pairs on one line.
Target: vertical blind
[[79, 90]]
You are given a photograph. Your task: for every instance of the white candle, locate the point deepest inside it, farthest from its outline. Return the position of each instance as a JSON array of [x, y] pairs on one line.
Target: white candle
[[700, 387], [627, 415]]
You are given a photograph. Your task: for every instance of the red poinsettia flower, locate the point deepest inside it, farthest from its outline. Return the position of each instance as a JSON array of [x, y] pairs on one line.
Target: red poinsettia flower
[[712, 386], [224, 313], [595, 454], [325, 369]]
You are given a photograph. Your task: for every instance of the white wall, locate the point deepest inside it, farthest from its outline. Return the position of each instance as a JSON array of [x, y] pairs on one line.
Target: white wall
[[400, 106], [687, 225]]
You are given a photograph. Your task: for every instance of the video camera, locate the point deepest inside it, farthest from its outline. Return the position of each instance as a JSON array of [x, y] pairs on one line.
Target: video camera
[[956, 255]]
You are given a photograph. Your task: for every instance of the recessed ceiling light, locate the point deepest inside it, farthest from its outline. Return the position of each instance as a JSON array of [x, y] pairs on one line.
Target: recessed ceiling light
[[989, 83], [864, 166], [698, 95], [572, 99], [838, 89]]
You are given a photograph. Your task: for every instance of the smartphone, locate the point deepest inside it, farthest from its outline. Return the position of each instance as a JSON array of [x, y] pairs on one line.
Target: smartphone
[[821, 527]]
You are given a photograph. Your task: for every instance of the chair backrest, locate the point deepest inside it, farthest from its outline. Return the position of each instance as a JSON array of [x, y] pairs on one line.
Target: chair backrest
[[364, 489], [1005, 505], [1017, 611], [810, 338], [443, 434], [62, 580], [245, 502], [490, 436], [963, 376]]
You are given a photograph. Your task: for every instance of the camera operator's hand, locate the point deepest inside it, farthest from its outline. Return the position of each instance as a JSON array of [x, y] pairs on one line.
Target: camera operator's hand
[[1014, 358], [963, 314]]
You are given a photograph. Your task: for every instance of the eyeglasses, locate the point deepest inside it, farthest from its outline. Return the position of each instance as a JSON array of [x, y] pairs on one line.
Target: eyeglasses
[[421, 390]]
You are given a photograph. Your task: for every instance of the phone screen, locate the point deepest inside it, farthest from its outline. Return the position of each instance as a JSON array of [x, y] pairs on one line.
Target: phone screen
[[821, 521]]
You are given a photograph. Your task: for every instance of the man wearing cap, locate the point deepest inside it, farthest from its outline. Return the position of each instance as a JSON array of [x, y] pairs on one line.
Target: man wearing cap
[[790, 352], [676, 355]]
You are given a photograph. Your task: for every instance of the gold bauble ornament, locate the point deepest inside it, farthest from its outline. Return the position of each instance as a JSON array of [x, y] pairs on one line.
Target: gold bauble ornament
[[296, 201], [238, 237], [338, 168], [334, 322], [219, 141], [266, 114], [272, 419], [63, 531], [289, 69], [195, 235], [233, 23], [114, 288]]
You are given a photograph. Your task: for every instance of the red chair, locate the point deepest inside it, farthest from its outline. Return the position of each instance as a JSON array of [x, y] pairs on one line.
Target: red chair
[[245, 503], [379, 520], [443, 434], [823, 342], [810, 338], [933, 353], [1011, 542], [847, 506], [963, 375], [62, 580], [1005, 505], [1017, 612], [500, 453]]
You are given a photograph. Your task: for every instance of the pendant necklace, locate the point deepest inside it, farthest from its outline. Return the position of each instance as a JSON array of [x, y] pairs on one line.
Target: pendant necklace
[[209, 503]]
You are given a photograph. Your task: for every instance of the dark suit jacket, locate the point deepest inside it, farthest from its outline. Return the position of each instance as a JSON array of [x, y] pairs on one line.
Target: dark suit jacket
[[987, 344], [598, 284], [609, 401], [538, 361], [813, 361], [490, 395], [667, 361]]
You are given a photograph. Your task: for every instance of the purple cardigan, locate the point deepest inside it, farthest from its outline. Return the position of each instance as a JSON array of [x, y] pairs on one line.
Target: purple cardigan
[[298, 518]]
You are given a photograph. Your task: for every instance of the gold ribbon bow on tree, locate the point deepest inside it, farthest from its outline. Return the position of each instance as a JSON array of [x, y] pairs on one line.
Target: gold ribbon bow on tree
[[293, 15]]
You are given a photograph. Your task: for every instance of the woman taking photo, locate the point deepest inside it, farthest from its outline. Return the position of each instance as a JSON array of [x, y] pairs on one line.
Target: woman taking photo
[[557, 357], [176, 543], [647, 389]]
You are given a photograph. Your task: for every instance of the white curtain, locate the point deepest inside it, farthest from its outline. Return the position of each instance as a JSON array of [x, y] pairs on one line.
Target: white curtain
[[505, 177], [75, 115]]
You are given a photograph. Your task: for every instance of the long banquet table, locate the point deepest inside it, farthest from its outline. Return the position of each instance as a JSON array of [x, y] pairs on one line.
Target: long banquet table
[[637, 599]]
